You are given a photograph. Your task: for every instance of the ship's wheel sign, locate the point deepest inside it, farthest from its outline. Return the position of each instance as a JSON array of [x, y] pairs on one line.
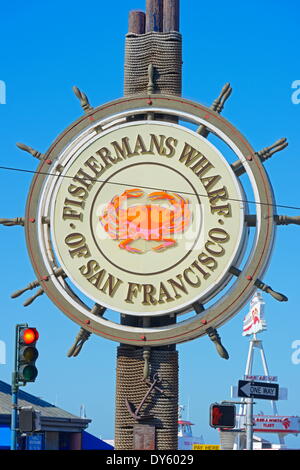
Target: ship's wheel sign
[[147, 218]]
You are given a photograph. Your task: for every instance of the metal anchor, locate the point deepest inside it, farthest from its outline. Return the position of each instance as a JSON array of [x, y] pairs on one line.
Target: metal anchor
[[152, 386]]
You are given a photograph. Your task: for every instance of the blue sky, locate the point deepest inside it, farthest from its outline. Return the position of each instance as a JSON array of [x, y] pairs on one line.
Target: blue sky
[[47, 47]]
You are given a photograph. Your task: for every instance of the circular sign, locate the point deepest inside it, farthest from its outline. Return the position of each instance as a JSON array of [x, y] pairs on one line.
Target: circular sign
[[146, 217]]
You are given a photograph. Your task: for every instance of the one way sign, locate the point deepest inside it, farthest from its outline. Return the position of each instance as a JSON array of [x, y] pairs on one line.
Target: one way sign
[[262, 390]]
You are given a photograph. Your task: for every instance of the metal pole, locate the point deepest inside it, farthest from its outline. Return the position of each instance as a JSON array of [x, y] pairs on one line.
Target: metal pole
[[14, 393], [267, 373], [14, 411], [273, 403], [249, 423], [248, 371]]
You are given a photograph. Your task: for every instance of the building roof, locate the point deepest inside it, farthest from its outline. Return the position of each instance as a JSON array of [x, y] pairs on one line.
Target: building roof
[[51, 415]]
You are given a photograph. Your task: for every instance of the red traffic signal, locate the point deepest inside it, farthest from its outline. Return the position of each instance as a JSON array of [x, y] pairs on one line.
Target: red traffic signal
[[222, 416], [27, 354], [29, 335]]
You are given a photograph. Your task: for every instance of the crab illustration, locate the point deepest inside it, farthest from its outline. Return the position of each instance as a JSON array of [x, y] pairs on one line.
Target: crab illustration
[[148, 221]]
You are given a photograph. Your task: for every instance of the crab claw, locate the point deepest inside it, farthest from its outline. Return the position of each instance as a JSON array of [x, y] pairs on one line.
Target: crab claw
[[160, 195], [125, 245], [133, 193], [166, 243]]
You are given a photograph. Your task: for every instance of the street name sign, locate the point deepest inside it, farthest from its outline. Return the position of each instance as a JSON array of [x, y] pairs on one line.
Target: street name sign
[[260, 390]]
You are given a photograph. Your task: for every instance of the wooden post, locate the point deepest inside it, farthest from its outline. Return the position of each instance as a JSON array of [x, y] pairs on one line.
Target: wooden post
[[154, 15], [137, 366], [137, 22], [170, 15]]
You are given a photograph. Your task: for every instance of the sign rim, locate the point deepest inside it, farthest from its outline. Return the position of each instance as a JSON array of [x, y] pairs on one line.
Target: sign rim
[[257, 261]]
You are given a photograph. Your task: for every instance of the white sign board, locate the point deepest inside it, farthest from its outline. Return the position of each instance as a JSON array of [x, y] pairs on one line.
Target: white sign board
[[254, 321], [262, 378]]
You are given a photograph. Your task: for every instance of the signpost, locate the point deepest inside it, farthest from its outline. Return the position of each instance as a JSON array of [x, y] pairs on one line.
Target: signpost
[[261, 387], [257, 390], [24, 371]]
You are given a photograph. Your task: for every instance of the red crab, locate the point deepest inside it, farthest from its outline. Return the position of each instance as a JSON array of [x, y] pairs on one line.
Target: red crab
[[148, 222]]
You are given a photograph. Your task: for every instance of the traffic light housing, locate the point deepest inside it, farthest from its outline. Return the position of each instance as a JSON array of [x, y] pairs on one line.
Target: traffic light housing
[[29, 419], [222, 416], [27, 354]]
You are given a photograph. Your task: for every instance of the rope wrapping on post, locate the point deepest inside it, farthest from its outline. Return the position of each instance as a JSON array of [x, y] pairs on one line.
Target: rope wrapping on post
[[162, 407], [164, 52]]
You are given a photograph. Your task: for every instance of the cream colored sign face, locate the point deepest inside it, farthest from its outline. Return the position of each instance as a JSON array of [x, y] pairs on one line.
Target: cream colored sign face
[[146, 218]]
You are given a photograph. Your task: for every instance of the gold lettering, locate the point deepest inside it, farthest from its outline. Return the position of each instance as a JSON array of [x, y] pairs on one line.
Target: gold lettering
[[77, 242], [133, 290], [106, 157], [208, 261], [124, 151], [140, 147], [97, 278], [69, 213], [190, 155], [163, 293], [224, 210], [202, 166], [84, 178], [149, 292], [188, 280], [80, 251], [209, 181], [72, 202], [78, 191], [201, 270], [94, 166], [212, 252], [90, 268], [171, 144], [218, 195], [112, 285], [160, 146], [219, 235], [176, 285]]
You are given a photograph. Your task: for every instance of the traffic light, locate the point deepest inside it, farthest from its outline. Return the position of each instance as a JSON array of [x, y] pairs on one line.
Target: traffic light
[[29, 419], [27, 354], [222, 416]]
